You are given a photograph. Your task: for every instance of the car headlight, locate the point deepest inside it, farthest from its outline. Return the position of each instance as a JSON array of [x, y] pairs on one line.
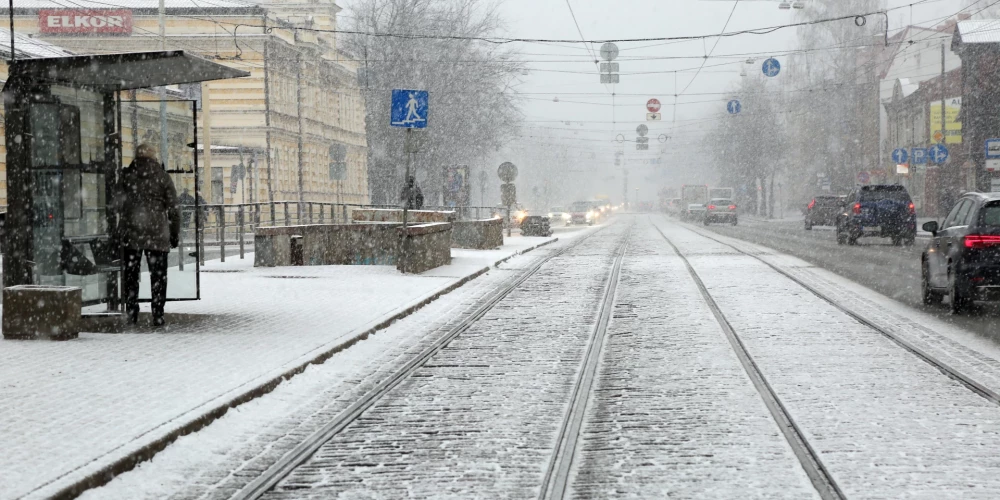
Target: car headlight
[[566, 216], [550, 215], [590, 215]]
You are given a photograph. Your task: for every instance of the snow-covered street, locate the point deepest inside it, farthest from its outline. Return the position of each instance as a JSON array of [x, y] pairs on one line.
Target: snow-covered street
[[767, 390]]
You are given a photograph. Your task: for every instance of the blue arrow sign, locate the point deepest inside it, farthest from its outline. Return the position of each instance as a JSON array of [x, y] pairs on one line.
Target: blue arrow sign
[[899, 155], [771, 67], [938, 153], [409, 108], [919, 156], [733, 107]]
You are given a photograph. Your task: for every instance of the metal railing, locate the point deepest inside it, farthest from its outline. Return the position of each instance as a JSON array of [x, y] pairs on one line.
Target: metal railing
[[234, 224]]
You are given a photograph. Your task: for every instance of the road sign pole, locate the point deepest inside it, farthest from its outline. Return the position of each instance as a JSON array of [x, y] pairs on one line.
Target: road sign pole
[[407, 146]]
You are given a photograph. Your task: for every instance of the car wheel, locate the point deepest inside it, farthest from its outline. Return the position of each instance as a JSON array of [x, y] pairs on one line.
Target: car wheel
[[707, 222], [959, 299], [852, 240], [910, 240], [897, 240], [841, 238], [809, 225], [931, 296], [735, 221]]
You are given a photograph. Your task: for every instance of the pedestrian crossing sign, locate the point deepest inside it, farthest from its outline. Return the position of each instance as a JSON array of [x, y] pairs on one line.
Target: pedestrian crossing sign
[[409, 108]]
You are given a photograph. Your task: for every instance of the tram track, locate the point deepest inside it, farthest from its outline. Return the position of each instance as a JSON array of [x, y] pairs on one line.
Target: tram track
[[939, 364], [821, 478], [556, 480], [291, 460]]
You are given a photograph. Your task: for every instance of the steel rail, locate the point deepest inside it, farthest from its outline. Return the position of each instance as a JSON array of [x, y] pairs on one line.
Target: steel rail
[[295, 457], [814, 468], [555, 482], [942, 366]]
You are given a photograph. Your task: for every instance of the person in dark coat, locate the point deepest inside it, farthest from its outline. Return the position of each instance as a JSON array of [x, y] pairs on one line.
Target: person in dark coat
[[150, 224], [412, 197], [186, 202]]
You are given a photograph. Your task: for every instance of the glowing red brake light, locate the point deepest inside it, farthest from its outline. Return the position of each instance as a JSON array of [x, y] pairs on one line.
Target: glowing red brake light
[[857, 209], [812, 204], [711, 207], [732, 207], [912, 208], [981, 240]]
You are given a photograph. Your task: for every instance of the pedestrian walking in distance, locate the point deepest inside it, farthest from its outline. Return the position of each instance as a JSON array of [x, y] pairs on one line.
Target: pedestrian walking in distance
[[412, 197], [150, 225]]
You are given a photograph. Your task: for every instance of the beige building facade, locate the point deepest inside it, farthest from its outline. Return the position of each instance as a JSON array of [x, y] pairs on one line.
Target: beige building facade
[[292, 131]]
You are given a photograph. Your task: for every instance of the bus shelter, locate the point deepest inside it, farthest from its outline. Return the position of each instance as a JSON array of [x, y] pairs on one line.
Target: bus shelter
[[66, 147]]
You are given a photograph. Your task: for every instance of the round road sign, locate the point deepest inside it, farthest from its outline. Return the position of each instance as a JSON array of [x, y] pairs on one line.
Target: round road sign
[[863, 177], [609, 51], [653, 105], [507, 172], [642, 130]]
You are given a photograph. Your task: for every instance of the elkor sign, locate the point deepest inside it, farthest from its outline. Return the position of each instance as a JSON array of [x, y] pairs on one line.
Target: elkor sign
[[85, 21]]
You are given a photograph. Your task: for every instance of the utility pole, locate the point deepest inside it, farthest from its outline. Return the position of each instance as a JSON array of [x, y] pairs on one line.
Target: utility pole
[[945, 191], [164, 151]]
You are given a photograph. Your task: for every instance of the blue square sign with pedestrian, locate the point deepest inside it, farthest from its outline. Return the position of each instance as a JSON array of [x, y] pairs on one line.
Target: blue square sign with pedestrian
[[409, 108]]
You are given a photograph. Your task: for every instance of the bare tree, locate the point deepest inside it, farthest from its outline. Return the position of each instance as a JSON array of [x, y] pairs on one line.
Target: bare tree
[[426, 44]]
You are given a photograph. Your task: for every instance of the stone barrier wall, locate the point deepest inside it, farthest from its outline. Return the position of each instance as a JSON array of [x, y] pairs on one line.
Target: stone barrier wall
[[425, 247], [482, 234], [328, 244]]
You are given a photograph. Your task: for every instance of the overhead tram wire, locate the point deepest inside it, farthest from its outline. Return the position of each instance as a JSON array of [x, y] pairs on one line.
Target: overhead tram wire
[[505, 40], [716, 44]]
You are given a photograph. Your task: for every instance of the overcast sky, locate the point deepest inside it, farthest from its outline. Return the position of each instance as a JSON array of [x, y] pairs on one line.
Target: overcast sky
[[567, 71]]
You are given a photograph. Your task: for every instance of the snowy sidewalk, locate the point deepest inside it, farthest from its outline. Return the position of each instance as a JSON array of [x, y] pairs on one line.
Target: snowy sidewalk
[[75, 409]]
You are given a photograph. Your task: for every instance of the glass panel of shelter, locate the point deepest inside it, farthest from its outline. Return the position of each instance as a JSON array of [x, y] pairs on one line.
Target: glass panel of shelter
[[142, 123], [72, 243]]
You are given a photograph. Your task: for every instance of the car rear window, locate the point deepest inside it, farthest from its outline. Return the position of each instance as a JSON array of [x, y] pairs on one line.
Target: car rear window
[[827, 201], [991, 214], [885, 194], [581, 206], [722, 201]]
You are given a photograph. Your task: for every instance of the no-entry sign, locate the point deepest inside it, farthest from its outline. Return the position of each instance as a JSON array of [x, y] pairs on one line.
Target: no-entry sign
[[653, 105]]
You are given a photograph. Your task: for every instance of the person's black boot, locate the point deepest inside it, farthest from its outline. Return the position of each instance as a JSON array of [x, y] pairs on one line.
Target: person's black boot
[[159, 321], [133, 316]]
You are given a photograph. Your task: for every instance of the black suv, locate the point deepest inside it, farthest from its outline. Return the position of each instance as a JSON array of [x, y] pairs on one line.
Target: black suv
[[883, 210], [963, 258], [823, 210]]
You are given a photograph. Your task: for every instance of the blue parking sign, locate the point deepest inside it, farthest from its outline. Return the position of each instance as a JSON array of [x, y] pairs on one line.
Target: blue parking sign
[[409, 108], [919, 155]]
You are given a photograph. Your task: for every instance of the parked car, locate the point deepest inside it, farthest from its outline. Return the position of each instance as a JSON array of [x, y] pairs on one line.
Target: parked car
[[558, 215], [582, 212], [883, 210], [823, 210], [694, 212], [720, 210], [962, 259]]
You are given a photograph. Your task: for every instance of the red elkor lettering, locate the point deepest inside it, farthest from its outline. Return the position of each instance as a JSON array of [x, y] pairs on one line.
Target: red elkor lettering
[[117, 21]]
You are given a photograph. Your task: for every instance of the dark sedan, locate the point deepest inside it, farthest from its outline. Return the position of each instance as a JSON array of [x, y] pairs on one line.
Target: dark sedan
[[963, 258], [823, 210]]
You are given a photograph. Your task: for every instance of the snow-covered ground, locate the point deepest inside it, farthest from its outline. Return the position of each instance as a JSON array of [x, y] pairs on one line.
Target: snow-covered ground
[[74, 408]]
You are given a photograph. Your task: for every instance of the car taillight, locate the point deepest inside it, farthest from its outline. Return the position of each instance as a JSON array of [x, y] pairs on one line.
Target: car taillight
[[812, 204], [913, 209], [857, 209], [732, 207], [981, 240], [711, 207]]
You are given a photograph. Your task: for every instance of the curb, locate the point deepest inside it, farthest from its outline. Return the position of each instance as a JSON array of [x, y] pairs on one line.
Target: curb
[[129, 461]]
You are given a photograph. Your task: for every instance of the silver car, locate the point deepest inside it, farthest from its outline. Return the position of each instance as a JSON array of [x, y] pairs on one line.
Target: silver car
[[721, 210]]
